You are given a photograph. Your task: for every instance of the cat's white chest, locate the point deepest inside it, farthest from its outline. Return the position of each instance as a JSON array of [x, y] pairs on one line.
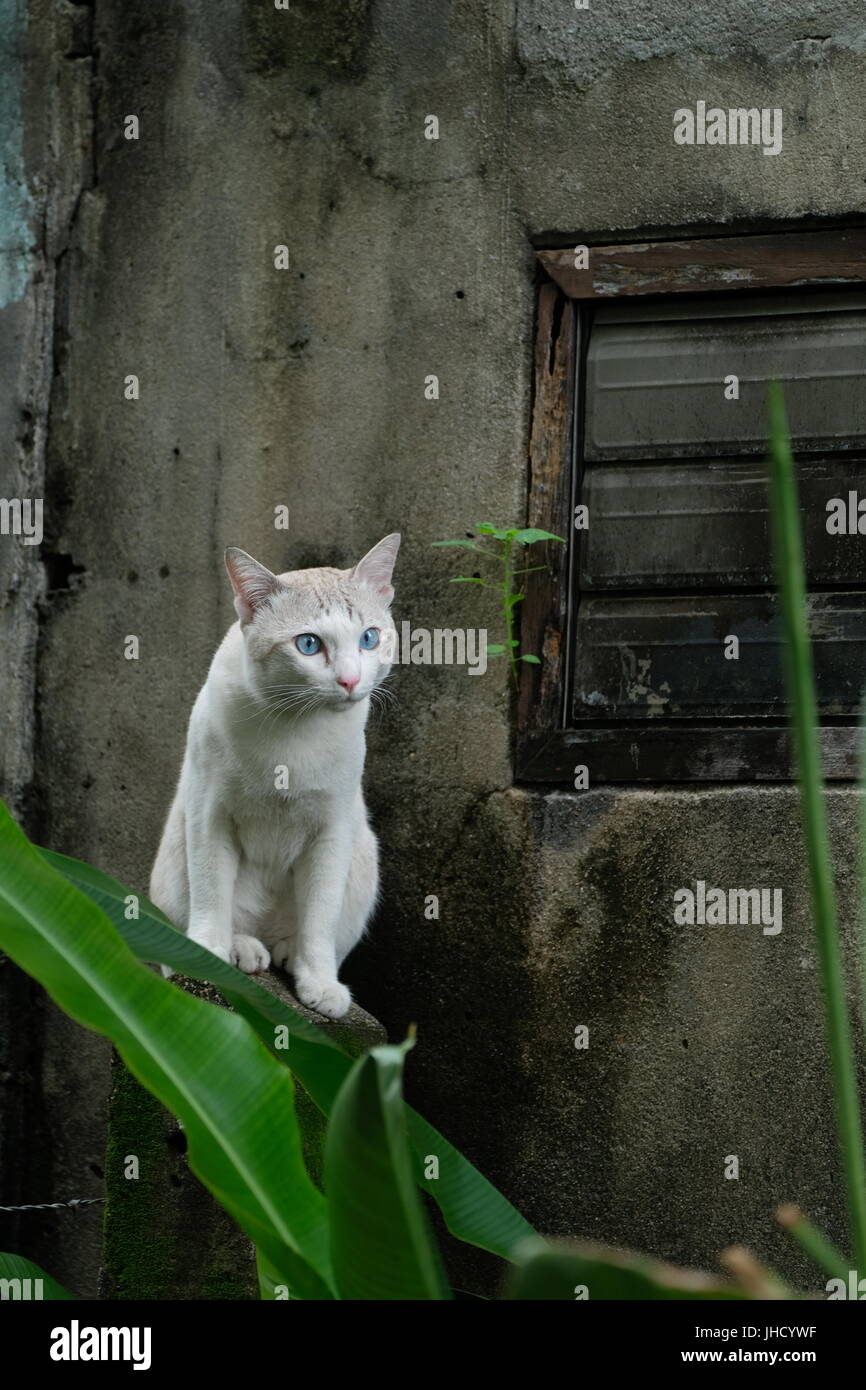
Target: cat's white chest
[[276, 815], [273, 837]]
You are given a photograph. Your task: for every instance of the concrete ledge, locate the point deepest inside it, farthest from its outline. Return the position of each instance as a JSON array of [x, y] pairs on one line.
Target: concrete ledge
[[357, 1032]]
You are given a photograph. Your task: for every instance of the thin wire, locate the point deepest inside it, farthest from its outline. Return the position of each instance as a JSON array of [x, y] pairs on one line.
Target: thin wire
[[52, 1206]]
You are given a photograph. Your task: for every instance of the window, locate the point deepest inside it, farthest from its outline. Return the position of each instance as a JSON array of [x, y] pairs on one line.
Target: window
[[658, 627]]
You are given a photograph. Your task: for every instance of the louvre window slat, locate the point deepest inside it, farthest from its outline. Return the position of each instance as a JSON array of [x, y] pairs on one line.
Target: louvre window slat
[[662, 658], [688, 525], [656, 379]]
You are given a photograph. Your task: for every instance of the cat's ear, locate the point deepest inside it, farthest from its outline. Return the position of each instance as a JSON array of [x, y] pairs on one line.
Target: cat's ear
[[377, 566], [252, 583]]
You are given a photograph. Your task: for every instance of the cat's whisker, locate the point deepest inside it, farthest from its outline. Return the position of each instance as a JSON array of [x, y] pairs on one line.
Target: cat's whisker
[[263, 697], [279, 707], [383, 697], [259, 709], [303, 704], [262, 712], [380, 703]]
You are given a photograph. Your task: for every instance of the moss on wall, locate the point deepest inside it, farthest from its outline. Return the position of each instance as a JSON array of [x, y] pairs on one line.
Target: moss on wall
[[320, 33], [165, 1235], [139, 1245]]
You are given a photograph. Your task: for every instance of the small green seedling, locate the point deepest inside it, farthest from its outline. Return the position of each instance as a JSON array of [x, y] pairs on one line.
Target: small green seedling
[[503, 552]]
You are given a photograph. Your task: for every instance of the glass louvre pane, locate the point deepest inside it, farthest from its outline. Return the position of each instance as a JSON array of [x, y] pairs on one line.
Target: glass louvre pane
[[656, 377], [706, 524], [663, 658]]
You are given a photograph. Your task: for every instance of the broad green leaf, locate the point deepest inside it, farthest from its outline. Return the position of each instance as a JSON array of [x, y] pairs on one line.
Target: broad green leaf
[[500, 533], [40, 1288], [381, 1247], [202, 1062], [496, 649], [532, 534], [587, 1272], [533, 660], [473, 1210], [272, 1286]]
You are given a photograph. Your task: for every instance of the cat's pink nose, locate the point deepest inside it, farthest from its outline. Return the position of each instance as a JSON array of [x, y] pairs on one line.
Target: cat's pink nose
[[348, 683]]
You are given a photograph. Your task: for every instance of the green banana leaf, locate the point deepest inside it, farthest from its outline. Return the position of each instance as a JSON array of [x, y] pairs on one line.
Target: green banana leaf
[[473, 1209], [203, 1063], [16, 1267], [272, 1288], [580, 1272], [380, 1245]]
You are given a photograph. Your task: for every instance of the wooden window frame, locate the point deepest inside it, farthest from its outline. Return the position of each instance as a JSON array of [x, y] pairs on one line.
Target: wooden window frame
[[547, 749]]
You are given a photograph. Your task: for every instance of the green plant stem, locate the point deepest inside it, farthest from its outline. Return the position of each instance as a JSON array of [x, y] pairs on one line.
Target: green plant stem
[[801, 690], [813, 1241], [508, 608], [862, 790]]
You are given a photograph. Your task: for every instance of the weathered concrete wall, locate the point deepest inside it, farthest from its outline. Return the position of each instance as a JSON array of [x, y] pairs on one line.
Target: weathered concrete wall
[[53, 1077], [305, 387]]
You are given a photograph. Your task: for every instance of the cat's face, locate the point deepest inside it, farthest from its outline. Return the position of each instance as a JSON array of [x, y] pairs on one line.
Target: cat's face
[[317, 637]]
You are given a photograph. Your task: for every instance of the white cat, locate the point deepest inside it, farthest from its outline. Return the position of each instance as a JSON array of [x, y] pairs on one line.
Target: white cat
[[267, 853]]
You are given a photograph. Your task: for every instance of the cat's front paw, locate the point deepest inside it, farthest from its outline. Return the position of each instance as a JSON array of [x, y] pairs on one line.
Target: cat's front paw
[[249, 955], [326, 996]]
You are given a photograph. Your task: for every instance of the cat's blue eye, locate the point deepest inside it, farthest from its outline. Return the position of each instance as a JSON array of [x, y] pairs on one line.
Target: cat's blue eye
[[308, 644], [369, 639]]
